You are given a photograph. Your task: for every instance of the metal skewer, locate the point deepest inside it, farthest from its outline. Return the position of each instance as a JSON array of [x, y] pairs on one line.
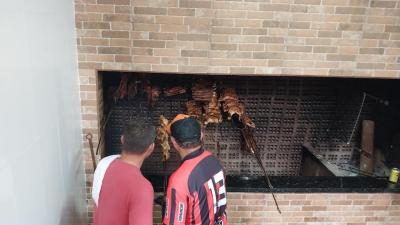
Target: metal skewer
[[242, 128], [266, 177]]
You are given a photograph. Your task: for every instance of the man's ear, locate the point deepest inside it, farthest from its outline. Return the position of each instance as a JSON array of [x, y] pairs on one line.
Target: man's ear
[[174, 142], [150, 149], [122, 139]]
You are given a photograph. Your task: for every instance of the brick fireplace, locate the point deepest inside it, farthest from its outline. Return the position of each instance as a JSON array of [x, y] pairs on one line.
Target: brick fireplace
[[320, 38]]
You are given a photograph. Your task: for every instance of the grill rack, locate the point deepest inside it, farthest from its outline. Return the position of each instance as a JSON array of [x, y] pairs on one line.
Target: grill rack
[[287, 112]]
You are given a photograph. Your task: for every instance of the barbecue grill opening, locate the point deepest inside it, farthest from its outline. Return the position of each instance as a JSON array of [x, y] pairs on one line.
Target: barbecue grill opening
[[301, 123]]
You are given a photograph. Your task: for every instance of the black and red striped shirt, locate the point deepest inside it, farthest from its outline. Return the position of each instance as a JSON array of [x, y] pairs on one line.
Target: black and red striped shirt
[[196, 193]]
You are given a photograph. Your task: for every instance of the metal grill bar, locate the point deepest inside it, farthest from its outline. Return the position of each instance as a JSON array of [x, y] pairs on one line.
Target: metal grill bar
[[287, 112]]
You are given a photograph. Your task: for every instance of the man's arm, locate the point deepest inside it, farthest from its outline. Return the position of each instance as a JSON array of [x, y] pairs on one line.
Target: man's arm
[[141, 208]]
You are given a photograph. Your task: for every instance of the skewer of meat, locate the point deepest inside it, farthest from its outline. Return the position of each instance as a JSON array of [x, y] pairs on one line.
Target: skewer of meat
[[162, 137], [132, 89], [202, 91], [247, 121], [230, 103], [122, 90], [194, 109], [213, 114], [153, 93], [232, 106], [172, 91]]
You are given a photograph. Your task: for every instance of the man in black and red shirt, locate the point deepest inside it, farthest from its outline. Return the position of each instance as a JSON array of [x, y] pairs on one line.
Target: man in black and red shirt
[[196, 193]]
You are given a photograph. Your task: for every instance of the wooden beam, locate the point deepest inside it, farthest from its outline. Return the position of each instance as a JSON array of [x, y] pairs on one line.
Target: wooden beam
[[367, 146]]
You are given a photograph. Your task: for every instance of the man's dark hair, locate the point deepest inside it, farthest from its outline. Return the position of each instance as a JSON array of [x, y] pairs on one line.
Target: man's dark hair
[[187, 145], [137, 137]]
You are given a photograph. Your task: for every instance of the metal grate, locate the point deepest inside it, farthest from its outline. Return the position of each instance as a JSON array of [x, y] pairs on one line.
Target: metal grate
[[286, 111]]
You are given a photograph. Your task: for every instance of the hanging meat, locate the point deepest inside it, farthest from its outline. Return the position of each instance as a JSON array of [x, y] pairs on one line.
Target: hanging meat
[[213, 114], [229, 93], [111, 94], [194, 109], [122, 90], [247, 121], [230, 103], [248, 140], [232, 106], [162, 137], [172, 91], [132, 89], [153, 93], [202, 91]]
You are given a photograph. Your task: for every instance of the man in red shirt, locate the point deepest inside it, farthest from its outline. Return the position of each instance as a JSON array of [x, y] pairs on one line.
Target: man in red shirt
[[121, 194], [196, 193]]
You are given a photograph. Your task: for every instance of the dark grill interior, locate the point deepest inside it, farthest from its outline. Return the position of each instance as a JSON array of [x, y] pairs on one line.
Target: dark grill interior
[[286, 111]]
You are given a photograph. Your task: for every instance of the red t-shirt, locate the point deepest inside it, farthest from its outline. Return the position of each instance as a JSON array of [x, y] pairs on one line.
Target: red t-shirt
[[126, 197]]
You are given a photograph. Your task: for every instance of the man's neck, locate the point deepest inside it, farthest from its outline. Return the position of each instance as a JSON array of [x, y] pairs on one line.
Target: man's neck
[[132, 159], [186, 152]]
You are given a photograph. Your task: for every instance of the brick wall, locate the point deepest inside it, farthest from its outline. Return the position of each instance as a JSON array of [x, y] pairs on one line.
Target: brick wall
[[311, 209], [352, 38], [359, 38]]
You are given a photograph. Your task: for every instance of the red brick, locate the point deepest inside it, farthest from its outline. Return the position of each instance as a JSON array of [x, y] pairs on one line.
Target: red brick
[[114, 2], [396, 202], [332, 57], [330, 34], [223, 30], [275, 7], [115, 34], [123, 58], [116, 17], [194, 4], [181, 12], [193, 37], [96, 25], [376, 35], [194, 53], [383, 4], [374, 208], [350, 26], [314, 208], [377, 51], [389, 28], [299, 25], [324, 49], [299, 48], [150, 11], [223, 46], [162, 36], [264, 39], [308, 2], [350, 10], [254, 31], [149, 43], [113, 50], [275, 23]]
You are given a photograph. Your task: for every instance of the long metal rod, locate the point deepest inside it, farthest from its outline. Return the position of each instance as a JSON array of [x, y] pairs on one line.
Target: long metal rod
[[102, 134], [89, 137], [266, 177], [358, 118]]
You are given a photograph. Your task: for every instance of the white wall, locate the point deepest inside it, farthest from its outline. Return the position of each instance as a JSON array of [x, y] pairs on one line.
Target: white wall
[[41, 172]]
